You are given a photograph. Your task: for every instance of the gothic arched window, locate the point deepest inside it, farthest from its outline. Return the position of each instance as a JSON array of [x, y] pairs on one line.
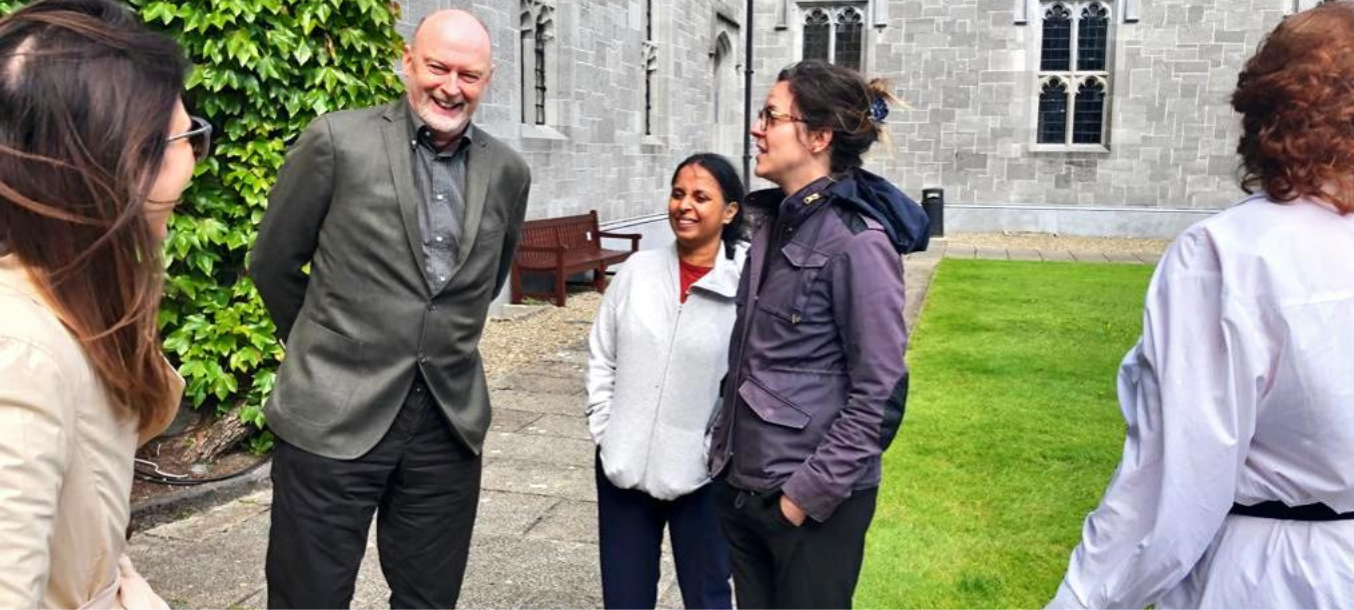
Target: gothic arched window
[[834, 32], [1093, 38], [1057, 51], [817, 35], [538, 33], [1053, 112], [850, 41], [1088, 120], [1074, 77]]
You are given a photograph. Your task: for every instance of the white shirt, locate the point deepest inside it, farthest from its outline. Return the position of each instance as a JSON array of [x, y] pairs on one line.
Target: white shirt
[[1241, 389]]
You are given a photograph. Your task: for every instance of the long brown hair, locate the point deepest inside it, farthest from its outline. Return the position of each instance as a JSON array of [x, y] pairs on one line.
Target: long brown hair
[[1296, 99], [86, 96]]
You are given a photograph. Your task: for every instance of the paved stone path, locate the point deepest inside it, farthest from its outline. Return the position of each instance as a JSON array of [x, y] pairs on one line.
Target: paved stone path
[[535, 542]]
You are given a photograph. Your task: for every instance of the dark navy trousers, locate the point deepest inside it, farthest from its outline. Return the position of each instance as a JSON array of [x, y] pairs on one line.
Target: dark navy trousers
[[630, 528]]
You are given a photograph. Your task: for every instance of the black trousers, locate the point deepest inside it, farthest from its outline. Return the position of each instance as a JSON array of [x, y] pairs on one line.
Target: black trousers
[[630, 537], [778, 565], [422, 483]]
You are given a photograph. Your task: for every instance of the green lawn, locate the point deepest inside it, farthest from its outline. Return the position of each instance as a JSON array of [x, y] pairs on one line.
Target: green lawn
[[1011, 433]]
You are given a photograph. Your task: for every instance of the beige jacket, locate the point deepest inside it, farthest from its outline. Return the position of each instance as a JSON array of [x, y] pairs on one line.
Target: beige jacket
[[65, 466]]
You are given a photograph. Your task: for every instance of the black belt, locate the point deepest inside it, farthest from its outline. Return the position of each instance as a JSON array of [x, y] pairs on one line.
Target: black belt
[[1275, 509]]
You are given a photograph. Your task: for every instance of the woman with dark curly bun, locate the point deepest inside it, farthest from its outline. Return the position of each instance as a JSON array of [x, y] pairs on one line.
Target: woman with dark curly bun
[[816, 380], [1236, 487]]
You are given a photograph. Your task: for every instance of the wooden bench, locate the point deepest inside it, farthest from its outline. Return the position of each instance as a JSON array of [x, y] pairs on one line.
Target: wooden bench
[[565, 246]]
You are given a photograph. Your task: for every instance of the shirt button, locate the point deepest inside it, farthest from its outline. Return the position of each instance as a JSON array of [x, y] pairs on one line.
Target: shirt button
[[441, 278], [437, 239], [439, 198]]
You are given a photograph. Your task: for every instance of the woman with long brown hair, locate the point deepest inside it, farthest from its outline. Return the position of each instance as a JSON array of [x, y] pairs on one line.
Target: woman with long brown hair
[[1236, 488], [95, 150]]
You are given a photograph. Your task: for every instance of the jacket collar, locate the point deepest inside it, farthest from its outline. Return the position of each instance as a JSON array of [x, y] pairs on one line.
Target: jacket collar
[[795, 208], [15, 277], [723, 278]]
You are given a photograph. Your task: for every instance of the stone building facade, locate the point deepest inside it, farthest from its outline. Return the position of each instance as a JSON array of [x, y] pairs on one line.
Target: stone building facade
[[604, 97]]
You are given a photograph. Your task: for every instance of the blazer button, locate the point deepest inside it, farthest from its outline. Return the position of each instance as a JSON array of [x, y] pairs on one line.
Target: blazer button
[[422, 359], [432, 307]]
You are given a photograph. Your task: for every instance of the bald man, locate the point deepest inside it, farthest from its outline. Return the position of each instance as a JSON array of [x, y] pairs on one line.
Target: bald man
[[408, 216]]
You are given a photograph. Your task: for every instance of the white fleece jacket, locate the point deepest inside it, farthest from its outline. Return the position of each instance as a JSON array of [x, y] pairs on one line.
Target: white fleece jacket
[[654, 368]]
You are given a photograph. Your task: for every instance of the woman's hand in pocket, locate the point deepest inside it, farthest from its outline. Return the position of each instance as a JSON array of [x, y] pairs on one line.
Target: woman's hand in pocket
[[792, 512]]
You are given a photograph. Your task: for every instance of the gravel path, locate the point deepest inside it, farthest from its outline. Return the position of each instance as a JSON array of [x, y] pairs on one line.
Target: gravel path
[[509, 344], [1047, 241], [1050, 241]]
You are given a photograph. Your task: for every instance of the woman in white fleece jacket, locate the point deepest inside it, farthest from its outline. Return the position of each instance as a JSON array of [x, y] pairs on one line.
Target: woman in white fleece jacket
[[658, 350]]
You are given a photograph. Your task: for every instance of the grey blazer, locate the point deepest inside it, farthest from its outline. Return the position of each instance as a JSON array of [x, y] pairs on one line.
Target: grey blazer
[[364, 321]]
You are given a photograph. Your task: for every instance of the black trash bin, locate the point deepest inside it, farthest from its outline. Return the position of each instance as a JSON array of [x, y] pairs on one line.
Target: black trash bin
[[933, 203]]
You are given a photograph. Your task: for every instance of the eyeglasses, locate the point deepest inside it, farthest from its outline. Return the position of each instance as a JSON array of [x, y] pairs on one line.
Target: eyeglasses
[[767, 117], [199, 137]]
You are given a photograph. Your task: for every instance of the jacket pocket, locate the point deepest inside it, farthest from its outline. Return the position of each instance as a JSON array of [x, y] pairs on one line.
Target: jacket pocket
[[792, 303], [804, 257], [772, 408], [324, 370]]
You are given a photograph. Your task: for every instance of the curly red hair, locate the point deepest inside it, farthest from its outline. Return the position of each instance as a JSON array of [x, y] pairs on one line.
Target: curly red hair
[[1296, 98]]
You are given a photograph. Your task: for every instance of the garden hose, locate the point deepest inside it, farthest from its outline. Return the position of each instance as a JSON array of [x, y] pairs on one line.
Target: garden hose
[[168, 478]]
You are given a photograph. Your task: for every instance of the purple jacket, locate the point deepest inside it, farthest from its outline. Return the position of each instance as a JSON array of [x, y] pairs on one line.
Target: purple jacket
[[816, 380]]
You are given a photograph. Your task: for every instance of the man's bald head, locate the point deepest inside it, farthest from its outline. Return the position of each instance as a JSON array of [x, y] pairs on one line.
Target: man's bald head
[[453, 23]]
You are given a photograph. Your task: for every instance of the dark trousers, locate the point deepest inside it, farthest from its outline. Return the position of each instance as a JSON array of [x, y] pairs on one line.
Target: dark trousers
[[778, 565], [422, 483], [630, 532]]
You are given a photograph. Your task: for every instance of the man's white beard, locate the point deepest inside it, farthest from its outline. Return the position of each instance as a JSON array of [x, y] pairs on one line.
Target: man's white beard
[[428, 111]]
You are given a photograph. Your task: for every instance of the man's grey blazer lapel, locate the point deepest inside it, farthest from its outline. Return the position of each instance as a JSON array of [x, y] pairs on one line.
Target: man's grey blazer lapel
[[479, 170], [396, 135]]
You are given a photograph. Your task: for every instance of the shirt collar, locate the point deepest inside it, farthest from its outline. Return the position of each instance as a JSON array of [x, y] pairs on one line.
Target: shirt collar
[[420, 133]]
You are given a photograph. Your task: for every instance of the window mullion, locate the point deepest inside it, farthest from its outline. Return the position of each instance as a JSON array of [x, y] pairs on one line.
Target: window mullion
[[1076, 36], [1071, 108], [1073, 84], [832, 17]]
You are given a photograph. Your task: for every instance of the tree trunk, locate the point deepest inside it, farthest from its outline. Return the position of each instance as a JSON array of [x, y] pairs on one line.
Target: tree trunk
[[222, 436]]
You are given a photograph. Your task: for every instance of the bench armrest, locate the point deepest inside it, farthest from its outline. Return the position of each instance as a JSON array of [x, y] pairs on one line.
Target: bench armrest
[[633, 237]]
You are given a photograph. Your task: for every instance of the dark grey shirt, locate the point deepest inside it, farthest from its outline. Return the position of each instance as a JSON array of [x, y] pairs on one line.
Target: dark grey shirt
[[439, 179]]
